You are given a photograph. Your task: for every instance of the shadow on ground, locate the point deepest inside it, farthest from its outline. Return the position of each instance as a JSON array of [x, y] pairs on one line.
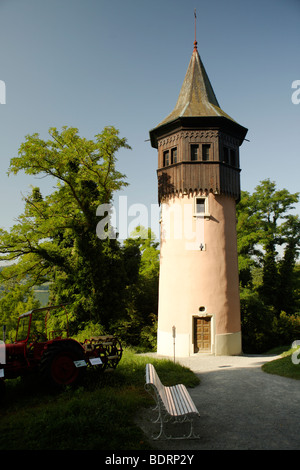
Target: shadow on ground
[[241, 408]]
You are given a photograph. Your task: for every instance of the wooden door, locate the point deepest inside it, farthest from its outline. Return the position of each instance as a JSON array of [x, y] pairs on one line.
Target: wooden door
[[202, 334]]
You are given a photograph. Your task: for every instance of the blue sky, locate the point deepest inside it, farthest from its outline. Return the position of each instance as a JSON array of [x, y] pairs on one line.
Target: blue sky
[[92, 63]]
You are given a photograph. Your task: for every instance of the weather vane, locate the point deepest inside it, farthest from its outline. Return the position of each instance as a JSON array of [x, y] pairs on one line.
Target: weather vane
[[195, 42]]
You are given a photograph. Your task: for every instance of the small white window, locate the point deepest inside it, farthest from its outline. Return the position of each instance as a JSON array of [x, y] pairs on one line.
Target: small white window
[[201, 207]]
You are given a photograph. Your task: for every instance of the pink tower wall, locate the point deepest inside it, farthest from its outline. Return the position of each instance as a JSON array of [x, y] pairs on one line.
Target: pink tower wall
[[190, 278]]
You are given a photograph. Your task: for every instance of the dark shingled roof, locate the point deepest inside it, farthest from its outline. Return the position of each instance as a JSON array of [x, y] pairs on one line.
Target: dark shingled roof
[[196, 97]]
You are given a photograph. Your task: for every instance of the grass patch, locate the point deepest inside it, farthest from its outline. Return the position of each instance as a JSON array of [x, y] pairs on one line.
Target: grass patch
[[99, 415], [284, 366]]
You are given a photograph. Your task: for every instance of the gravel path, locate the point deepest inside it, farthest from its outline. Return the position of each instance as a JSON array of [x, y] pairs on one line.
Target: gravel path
[[241, 407]]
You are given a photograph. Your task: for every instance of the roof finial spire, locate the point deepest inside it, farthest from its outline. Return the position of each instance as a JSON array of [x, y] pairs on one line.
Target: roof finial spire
[[195, 42]]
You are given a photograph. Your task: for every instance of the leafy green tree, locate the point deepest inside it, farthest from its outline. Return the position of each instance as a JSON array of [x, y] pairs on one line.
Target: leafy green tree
[[264, 225], [148, 270], [14, 301], [55, 237], [264, 222], [139, 325], [268, 281], [289, 284], [248, 237]]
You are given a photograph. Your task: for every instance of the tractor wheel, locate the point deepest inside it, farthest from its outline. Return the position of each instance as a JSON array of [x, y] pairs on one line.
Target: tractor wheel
[[57, 363], [114, 353]]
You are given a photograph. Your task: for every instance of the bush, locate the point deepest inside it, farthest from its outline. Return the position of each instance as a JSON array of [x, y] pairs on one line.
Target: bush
[[137, 331], [148, 336], [262, 328], [256, 323], [285, 329], [88, 330]]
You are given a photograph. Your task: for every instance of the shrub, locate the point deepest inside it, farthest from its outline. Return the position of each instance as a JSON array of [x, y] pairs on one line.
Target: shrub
[[88, 330], [285, 329]]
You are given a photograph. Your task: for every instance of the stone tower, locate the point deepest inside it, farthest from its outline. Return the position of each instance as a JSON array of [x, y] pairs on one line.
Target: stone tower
[[198, 187]]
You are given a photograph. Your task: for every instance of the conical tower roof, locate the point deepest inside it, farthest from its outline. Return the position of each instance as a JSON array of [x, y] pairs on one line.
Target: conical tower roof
[[197, 106], [196, 97]]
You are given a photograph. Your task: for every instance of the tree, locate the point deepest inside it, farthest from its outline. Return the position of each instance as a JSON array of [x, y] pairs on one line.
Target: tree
[[288, 274], [264, 221], [248, 237], [268, 281], [14, 301], [270, 278], [147, 299], [139, 325], [264, 225], [55, 237]]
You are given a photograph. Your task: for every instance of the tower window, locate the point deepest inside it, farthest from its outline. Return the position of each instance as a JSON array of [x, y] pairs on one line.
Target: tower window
[[174, 155], [201, 206], [194, 152], [205, 152], [166, 158]]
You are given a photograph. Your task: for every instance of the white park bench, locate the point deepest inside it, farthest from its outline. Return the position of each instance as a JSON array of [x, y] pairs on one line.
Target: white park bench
[[174, 404]]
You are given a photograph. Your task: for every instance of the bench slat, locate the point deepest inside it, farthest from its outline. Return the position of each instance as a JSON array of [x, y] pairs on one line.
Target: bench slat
[[170, 402], [185, 399], [182, 404], [185, 404], [179, 404], [189, 400]]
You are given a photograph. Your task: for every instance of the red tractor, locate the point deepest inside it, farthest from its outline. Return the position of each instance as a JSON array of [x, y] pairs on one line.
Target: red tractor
[[42, 348]]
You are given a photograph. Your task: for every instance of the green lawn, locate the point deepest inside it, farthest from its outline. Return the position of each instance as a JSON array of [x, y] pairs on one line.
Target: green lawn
[[284, 366], [99, 415]]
